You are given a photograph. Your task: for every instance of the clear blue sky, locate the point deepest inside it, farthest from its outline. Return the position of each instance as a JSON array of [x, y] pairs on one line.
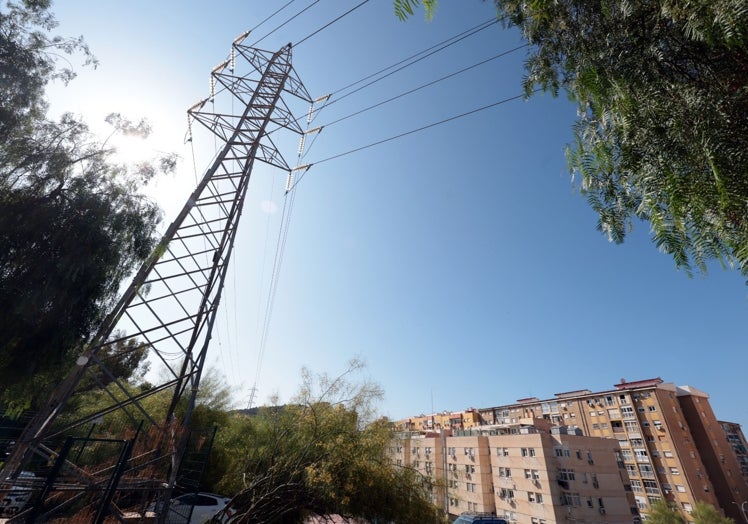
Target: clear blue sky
[[459, 262]]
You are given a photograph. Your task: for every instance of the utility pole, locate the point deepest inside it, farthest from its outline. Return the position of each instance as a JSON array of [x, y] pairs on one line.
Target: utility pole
[[171, 305]]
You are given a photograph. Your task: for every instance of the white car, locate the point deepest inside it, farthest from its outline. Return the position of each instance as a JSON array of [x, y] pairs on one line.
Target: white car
[[204, 506]]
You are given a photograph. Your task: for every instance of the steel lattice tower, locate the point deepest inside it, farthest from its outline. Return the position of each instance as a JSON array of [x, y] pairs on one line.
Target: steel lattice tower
[[172, 302]]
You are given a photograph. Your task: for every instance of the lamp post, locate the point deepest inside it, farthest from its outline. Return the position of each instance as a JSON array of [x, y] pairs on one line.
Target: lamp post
[[743, 510]]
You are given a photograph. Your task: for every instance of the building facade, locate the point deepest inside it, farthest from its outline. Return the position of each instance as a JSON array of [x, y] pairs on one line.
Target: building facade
[[671, 444], [526, 473], [735, 437]]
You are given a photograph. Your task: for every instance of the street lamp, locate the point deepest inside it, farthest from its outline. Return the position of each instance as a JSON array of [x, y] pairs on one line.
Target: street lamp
[[743, 510]]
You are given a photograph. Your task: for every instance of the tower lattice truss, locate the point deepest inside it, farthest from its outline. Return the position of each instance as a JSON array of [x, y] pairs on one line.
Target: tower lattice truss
[[169, 311]]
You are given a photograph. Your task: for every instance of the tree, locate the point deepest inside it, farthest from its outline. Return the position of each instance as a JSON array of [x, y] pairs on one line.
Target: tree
[[72, 222], [322, 454], [663, 113], [663, 513], [705, 513]]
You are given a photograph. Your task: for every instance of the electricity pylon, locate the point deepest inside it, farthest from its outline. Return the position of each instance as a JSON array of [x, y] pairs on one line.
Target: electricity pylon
[[170, 307]]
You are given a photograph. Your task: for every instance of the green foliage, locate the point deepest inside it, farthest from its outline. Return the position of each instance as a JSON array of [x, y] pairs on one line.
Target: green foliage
[[321, 454], [663, 106], [662, 94], [704, 513], [406, 8], [72, 223], [662, 513]]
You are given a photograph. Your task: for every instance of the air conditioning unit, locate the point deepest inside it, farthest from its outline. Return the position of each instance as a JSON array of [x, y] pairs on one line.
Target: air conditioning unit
[[602, 511]]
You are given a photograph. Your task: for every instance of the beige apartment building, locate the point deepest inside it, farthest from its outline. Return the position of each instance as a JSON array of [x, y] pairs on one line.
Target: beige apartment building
[[529, 474], [442, 421], [670, 443]]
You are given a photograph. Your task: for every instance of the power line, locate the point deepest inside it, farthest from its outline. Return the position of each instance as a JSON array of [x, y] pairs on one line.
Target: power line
[[411, 60], [271, 16], [412, 131], [329, 24], [428, 84], [287, 21]]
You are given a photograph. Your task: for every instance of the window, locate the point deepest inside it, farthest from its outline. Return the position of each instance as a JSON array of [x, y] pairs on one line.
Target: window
[[627, 412], [650, 486], [680, 489], [505, 452], [505, 472], [637, 442], [652, 408], [530, 496], [687, 507], [636, 486], [667, 454], [528, 474], [646, 471], [595, 426], [627, 455], [566, 474], [604, 425], [641, 455], [528, 452], [631, 470], [539, 500], [674, 471], [570, 499], [506, 493]]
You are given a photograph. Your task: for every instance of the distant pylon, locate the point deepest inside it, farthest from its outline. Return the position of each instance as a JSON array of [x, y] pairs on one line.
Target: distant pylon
[[171, 305]]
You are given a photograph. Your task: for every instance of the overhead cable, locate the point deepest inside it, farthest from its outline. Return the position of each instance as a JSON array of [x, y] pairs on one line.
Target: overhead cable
[[284, 23], [307, 37], [412, 131]]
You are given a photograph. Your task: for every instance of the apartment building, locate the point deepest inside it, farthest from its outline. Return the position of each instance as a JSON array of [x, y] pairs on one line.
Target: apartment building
[[736, 439], [671, 444], [442, 421], [526, 473]]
